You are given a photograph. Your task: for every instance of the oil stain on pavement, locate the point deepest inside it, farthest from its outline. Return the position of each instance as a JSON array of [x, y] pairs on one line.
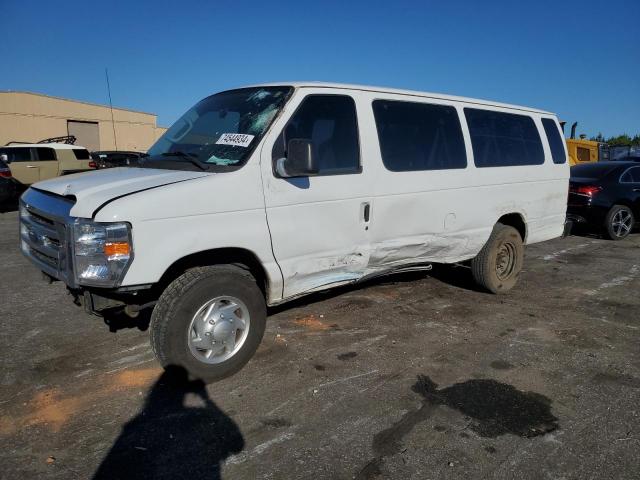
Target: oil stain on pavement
[[495, 409]]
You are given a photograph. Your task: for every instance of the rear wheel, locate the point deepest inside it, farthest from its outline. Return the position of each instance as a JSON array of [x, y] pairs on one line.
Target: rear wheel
[[618, 222], [497, 266], [210, 321]]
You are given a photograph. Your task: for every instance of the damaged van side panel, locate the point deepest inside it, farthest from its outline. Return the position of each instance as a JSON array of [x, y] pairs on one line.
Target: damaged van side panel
[[320, 238]]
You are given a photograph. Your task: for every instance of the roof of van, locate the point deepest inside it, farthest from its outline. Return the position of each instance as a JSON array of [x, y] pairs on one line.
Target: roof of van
[[396, 91], [58, 146]]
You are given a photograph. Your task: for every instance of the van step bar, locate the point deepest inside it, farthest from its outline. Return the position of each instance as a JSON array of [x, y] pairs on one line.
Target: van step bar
[[416, 267]]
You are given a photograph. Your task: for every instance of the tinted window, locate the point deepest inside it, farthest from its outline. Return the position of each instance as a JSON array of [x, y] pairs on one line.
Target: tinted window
[[556, 144], [46, 154], [503, 139], [17, 154], [330, 122], [593, 170], [417, 136], [80, 153], [631, 176]]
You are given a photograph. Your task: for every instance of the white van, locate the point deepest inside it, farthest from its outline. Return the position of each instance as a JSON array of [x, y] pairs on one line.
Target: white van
[[262, 194]]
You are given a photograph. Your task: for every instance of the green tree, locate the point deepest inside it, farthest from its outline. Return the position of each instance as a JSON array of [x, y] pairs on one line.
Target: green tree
[[623, 139]]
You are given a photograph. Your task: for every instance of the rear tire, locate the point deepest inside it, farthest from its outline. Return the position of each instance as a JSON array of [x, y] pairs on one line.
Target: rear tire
[[497, 266], [618, 222], [188, 322]]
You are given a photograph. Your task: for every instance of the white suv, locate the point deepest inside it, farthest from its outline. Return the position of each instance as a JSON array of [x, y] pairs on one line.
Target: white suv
[[260, 195]]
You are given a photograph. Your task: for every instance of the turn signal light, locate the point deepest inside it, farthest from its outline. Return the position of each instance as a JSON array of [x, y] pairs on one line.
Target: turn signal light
[[117, 248], [93, 164]]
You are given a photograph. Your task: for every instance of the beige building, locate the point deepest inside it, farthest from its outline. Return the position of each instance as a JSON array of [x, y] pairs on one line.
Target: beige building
[[30, 117]]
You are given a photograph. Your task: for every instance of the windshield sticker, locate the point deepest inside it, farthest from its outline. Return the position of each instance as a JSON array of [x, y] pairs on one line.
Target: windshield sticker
[[236, 139]]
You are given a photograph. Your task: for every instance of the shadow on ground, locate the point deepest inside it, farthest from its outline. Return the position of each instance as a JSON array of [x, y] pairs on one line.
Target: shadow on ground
[[180, 433], [116, 320], [492, 408]]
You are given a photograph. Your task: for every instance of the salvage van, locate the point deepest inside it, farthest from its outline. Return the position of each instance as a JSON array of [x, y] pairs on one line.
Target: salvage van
[[262, 194]]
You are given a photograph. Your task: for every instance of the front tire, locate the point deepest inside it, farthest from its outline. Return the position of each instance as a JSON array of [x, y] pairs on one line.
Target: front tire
[[210, 321], [619, 222], [497, 266]]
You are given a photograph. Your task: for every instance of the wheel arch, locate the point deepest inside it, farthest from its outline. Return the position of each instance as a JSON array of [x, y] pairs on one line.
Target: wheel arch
[[627, 203], [219, 256], [517, 221]]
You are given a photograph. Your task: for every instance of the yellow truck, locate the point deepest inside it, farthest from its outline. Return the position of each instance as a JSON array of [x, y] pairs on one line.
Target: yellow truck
[[581, 150]]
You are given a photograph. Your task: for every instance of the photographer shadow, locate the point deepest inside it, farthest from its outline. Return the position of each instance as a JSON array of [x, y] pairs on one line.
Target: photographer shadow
[[180, 433]]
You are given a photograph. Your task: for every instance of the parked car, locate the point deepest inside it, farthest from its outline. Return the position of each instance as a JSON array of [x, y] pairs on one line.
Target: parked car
[[260, 195], [115, 158], [8, 186], [605, 196], [33, 162], [627, 159]]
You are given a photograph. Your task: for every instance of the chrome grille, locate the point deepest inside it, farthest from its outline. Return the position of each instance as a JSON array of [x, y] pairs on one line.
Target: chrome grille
[[44, 233]]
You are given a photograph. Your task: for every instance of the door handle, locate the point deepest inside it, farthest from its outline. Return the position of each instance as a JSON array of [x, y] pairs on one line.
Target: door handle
[[366, 211], [31, 166]]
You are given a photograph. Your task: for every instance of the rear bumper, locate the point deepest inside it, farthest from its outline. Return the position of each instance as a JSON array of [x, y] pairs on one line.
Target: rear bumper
[[588, 215]]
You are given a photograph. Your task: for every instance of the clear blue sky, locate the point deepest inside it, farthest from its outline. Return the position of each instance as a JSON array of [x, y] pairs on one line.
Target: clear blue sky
[[580, 59]]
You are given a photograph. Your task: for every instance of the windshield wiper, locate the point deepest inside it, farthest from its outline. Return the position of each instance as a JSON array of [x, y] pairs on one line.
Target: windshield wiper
[[188, 156]]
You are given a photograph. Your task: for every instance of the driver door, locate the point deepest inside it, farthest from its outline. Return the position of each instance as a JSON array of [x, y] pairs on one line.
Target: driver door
[[319, 224]]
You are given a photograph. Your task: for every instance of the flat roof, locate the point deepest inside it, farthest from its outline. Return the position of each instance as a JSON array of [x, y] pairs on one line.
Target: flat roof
[[76, 101], [413, 93], [59, 146]]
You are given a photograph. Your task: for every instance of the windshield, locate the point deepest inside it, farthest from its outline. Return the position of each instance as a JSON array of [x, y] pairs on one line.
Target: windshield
[[221, 130]]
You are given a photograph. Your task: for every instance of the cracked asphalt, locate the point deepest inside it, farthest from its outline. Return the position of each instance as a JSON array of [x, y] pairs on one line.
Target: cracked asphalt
[[415, 376]]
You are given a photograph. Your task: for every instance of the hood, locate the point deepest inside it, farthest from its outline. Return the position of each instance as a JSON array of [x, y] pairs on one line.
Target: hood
[[94, 189]]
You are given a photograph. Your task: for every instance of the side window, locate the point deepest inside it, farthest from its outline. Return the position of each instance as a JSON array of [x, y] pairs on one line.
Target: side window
[[80, 153], [46, 154], [631, 176], [555, 140], [583, 154], [419, 136], [503, 139], [330, 122], [17, 154]]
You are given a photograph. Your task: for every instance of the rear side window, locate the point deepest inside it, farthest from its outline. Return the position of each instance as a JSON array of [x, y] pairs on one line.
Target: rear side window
[[503, 139], [556, 144], [17, 154], [631, 176], [46, 154], [419, 136], [330, 122], [80, 153]]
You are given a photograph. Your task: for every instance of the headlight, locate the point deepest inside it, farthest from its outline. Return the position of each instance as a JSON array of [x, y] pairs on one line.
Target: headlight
[[102, 252]]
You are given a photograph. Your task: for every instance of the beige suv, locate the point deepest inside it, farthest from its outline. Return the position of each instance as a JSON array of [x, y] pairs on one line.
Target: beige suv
[[30, 163]]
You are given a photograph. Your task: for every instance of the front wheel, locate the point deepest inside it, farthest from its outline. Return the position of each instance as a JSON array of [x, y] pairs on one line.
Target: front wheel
[[210, 321], [497, 266], [619, 222]]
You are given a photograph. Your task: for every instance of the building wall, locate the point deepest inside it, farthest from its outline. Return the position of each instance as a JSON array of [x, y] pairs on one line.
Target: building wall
[[30, 117]]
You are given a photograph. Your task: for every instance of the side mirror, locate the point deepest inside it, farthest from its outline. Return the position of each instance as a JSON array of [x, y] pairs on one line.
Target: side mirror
[[5, 158], [299, 161]]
